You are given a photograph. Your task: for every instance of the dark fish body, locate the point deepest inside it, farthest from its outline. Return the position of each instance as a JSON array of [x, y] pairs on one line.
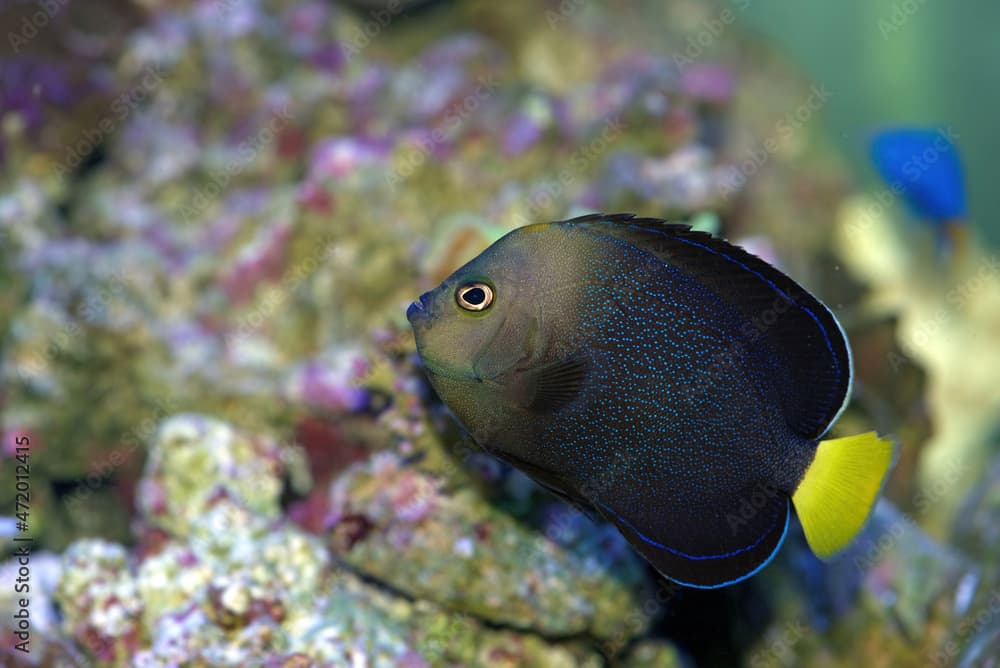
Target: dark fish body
[[660, 376]]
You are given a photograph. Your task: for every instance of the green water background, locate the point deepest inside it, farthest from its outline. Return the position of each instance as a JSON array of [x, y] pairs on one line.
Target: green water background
[[892, 62]]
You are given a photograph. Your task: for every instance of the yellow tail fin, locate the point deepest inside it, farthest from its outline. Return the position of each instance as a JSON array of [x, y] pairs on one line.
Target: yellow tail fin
[[839, 489]]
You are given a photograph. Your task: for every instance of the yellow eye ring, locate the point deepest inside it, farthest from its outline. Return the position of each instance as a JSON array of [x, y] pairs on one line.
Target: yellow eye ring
[[474, 296]]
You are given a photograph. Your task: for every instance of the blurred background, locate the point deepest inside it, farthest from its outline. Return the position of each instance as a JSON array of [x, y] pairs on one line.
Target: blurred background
[[217, 438], [919, 63]]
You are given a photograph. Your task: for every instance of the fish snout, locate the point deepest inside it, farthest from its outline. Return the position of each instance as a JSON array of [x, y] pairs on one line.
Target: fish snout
[[418, 308]]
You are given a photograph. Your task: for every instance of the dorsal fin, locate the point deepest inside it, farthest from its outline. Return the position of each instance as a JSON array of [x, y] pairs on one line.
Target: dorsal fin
[[784, 324]]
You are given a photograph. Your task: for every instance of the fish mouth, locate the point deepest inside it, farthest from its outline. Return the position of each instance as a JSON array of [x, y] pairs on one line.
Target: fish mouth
[[435, 370], [417, 308]]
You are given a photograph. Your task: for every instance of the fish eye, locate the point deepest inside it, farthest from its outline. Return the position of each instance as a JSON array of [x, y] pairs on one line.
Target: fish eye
[[474, 296]]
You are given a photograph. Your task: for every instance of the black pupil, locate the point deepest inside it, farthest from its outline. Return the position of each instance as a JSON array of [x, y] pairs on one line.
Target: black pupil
[[475, 296]]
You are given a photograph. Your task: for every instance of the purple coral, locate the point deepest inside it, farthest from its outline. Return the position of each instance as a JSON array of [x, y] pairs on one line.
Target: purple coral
[[331, 382], [338, 157], [521, 133], [709, 83]]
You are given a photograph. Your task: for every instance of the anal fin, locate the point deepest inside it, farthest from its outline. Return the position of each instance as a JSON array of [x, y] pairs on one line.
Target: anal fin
[[552, 483]]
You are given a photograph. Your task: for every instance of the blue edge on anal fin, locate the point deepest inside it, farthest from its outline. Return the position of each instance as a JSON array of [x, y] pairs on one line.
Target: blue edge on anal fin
[[620, 521]]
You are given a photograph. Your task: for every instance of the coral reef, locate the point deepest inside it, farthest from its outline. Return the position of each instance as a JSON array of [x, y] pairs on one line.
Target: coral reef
[[393, 524], [222, 580]]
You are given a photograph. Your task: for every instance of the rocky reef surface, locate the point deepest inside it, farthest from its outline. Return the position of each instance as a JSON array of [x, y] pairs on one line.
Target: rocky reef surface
[[212, 218], [220, 577]]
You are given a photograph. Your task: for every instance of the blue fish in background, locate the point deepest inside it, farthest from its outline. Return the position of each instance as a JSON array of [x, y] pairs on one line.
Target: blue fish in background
[[923, 167]]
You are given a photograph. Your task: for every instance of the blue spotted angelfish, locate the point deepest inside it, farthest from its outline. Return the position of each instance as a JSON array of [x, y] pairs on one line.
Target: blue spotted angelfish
[[672, 382], [923, 166]]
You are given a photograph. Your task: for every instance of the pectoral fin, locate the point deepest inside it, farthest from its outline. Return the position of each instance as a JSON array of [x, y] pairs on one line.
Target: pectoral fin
[[553, 386]]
